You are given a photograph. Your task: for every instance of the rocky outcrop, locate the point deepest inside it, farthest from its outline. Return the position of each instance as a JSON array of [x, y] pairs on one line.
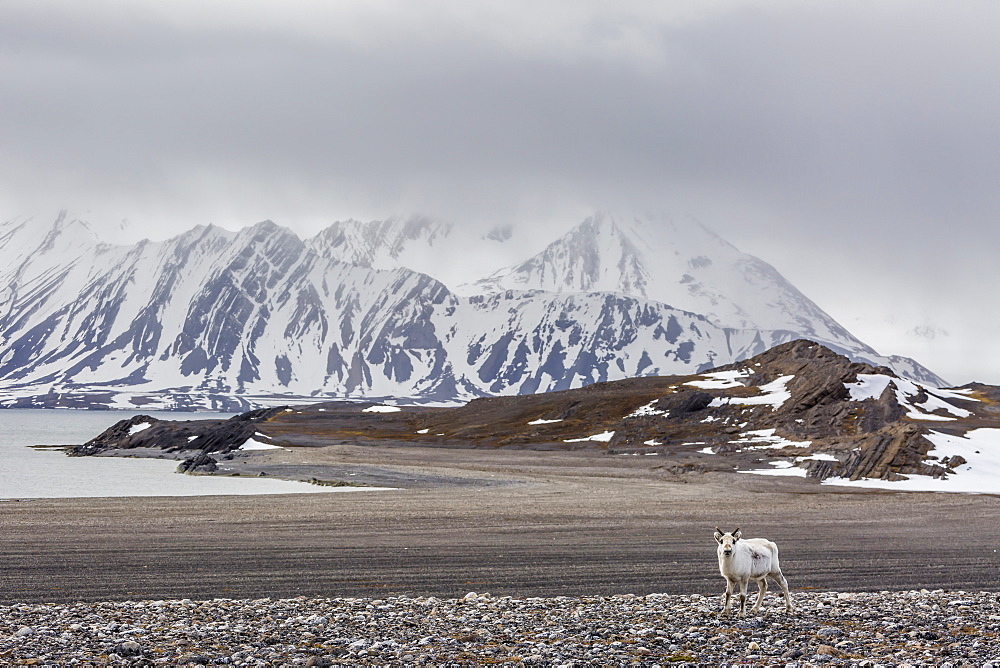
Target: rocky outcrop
[[881, 412], [203, 437], [684, 403], [200, 463], [871, 438], [891, 451]]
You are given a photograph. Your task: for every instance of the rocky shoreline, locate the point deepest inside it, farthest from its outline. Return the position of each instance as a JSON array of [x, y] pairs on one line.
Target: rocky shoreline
[[940, 628]]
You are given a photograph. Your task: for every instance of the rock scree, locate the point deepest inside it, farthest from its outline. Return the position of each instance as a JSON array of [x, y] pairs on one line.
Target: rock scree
[[927, 628]]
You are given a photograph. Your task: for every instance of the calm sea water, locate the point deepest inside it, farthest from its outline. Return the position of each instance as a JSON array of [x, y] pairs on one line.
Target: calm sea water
[[27, 473]]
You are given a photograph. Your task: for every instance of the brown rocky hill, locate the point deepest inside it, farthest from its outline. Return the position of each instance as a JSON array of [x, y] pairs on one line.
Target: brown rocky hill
[[796, 405]]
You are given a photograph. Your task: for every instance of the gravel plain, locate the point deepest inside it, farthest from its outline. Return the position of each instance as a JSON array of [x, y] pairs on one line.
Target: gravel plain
[[922, 627], [590, 560]]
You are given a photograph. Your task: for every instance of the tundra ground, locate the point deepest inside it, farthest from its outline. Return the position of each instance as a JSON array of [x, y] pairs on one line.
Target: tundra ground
[[508, 522]]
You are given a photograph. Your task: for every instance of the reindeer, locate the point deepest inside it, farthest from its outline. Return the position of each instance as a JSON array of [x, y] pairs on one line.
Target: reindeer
[[742, 560]]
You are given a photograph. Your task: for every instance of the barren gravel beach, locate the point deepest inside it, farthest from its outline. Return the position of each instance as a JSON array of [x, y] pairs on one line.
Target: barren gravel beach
[[599, 537], [885, 628], [511, 522]]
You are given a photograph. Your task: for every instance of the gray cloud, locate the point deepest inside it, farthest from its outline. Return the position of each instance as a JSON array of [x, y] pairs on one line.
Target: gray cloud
[[853, 145]]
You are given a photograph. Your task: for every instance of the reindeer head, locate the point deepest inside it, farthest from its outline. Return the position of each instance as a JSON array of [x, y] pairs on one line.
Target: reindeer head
[[727, 540]]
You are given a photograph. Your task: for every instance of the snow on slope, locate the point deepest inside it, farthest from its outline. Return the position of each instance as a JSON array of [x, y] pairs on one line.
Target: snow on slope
[[456, 255], [527, 342], [921, 402], [676, 261], [215, 311], [979, 475], [212, 313], [773, 394], [679, 262]]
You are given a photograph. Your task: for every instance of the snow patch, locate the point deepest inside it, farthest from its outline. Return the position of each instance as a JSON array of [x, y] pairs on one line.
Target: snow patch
[[868, 386], [382, 409], [544, 421], [136, 428], [871, 386], [819, 457], [647, 411], [979, 475], [960, 395], [774, 394], [720, 380], [766, 439], [604, 437], [251, 444], [783, 469]]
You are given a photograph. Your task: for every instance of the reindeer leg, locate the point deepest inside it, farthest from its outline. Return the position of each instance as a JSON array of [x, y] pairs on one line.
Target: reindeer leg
[[761, 590], [780, 579], [726, 596], [743, 597]]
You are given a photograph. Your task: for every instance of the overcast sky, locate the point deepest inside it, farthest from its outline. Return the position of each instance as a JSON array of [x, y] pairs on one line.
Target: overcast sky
[[853, 145]]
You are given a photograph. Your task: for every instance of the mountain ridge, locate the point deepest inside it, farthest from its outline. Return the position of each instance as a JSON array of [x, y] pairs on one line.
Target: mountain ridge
[[219, 319]]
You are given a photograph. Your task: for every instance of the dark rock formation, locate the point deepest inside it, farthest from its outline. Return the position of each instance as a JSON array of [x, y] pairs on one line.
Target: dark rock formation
[[200, 463], [684, 403], [204, 437], [892, 450]]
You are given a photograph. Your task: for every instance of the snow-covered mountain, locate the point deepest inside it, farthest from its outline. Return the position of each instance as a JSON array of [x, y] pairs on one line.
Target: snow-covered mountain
[[680, 262], [458, 256], [673, 261], [223, 319], [380, 244], [208, 312]]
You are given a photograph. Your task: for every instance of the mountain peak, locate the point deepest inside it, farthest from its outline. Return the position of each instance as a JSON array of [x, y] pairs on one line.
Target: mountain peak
[[596, 255], [380, 244], [801, 350], [675, 261]]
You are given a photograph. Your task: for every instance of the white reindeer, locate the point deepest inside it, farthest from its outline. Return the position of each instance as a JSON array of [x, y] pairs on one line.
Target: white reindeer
[[742, 560]]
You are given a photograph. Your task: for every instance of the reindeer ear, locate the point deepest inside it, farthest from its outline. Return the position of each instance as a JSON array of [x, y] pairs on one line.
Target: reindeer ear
[[718, 535], [736, 533]]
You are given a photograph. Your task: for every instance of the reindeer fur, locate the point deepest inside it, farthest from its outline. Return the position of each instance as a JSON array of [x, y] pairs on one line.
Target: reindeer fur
[[742, 560]]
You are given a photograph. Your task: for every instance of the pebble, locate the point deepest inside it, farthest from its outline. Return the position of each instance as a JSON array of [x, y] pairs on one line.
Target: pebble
[[915, 628]]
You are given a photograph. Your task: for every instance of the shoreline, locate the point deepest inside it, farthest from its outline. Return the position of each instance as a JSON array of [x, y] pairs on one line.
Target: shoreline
[[828, 628]]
